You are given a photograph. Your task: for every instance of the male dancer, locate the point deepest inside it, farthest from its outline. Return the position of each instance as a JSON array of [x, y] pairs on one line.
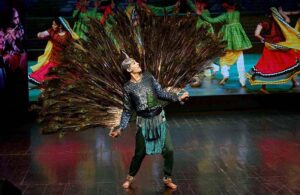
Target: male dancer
[[141, 94]]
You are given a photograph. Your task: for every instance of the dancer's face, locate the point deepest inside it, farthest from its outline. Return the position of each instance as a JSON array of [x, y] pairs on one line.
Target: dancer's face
[[134, 67], [16, 18], [55, 26]]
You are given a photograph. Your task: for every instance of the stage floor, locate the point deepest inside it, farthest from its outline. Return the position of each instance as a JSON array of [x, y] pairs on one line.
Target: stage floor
[[210, 85], [254, 152]]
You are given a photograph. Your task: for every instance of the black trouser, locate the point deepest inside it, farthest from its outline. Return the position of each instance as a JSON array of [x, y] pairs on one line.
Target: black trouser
[[140, 152]]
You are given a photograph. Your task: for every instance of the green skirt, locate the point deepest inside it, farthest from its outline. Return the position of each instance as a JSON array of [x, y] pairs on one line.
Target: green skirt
[[154, 131]]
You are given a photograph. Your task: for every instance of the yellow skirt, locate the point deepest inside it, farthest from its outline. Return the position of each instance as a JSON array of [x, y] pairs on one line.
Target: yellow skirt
[[43, 59]]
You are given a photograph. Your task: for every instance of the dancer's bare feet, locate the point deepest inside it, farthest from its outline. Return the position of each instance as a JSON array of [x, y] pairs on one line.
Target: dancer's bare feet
[[224, 80], [295, 83], [264, 89], [128, 182], [168, 182]]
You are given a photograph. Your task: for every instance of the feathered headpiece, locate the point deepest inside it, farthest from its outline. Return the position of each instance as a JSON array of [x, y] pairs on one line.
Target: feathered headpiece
[[126, 63]]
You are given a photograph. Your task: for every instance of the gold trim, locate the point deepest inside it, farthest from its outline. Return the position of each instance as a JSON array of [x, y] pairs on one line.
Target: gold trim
[[259, 82]]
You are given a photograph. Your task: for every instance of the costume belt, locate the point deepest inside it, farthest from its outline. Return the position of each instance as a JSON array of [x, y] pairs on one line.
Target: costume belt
[[148, 113]]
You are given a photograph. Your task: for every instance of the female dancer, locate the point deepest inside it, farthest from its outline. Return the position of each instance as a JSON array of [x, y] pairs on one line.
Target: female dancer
[[59, 36]]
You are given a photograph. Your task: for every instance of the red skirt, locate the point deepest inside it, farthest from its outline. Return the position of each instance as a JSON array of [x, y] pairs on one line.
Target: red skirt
[[274, 61], [275, 67], [40, 75]]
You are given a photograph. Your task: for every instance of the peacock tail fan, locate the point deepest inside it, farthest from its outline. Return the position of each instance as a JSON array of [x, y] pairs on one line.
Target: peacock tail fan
[[86, 88], [175, 50]]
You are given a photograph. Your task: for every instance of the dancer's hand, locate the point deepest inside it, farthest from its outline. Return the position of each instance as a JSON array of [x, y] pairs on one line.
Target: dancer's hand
[[287, 19], [184, 96], [114, 133]]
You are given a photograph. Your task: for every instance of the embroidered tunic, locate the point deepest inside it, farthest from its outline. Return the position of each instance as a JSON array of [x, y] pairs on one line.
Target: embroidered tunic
[[143, 98]]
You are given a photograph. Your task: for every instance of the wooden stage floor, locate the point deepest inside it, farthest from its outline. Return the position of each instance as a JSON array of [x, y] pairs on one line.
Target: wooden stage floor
[[249, 152]]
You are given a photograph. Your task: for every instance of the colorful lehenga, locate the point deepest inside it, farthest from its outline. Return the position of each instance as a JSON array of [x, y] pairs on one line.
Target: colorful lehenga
[[279, 61], [51, 56]]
